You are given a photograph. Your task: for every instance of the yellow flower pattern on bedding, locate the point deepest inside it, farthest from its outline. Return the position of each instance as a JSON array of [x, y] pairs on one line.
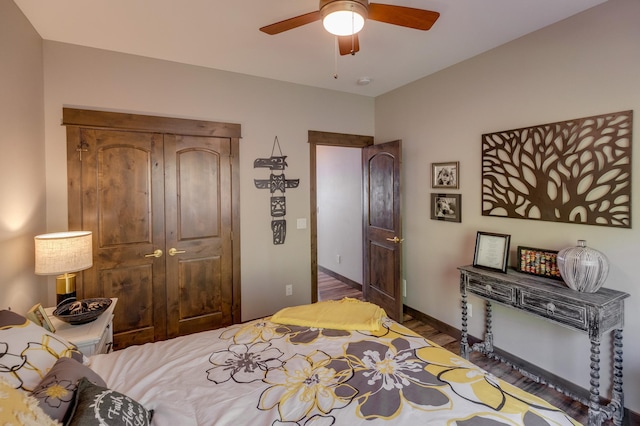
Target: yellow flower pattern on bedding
[[308, 386], [28, 351], [253, 331], [312, 375]]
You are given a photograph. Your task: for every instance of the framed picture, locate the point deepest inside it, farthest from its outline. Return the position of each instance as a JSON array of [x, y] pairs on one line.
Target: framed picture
[[536, 261], [446, 207], [445, 175], [492, 251]]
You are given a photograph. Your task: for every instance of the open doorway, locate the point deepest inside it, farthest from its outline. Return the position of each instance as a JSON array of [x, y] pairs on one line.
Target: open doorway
[[339, 218], [339, 141]]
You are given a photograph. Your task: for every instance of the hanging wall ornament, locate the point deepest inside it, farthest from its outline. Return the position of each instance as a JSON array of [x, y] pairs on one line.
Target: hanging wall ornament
[[278, 207], [575, 171], [277, 183]]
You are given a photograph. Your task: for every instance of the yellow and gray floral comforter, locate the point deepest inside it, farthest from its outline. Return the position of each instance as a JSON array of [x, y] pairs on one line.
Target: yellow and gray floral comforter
[[263, 373]]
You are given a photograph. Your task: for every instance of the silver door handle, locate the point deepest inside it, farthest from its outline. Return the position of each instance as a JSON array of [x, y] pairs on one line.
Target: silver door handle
[[173, 251], [156, 253]]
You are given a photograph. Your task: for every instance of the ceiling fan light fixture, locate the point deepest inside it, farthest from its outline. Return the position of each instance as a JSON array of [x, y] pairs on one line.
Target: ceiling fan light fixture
[[343, 18]]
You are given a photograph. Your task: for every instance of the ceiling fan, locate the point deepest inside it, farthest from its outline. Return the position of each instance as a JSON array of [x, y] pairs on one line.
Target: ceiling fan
[[345, 18]]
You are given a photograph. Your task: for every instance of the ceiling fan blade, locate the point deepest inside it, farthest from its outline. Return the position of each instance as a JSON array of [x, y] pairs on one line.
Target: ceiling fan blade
[[419, 19], [291, 23], [348, 44]]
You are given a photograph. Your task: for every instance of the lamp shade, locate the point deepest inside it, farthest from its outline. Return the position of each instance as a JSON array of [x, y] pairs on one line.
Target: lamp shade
[[343, 18], [63, 252]]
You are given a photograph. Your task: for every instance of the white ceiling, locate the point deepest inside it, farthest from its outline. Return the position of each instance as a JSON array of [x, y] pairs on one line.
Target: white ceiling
[[223, 34]]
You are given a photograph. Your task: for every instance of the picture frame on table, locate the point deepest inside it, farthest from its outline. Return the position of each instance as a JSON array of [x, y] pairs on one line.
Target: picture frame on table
[[539, 262], [447, 207], [445, 175], [492, 251]]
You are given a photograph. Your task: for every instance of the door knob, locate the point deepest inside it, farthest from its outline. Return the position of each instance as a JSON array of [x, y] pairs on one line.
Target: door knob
[[156, 253], [395, 239], [173, 251]]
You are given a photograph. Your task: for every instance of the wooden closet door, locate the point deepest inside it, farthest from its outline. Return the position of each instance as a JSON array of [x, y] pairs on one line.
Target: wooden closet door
[[123, 205], [198, 233], [145, 184]]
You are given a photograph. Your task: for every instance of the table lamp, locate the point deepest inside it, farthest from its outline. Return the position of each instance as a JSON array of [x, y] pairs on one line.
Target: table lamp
[[63, 253]]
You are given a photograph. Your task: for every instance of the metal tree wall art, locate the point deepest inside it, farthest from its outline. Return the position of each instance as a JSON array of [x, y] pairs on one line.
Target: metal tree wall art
[[276, 183], [576, 171]]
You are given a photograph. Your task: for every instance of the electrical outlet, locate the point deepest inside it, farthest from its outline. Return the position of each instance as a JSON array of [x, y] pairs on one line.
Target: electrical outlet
[[469, 310], [288, 290]]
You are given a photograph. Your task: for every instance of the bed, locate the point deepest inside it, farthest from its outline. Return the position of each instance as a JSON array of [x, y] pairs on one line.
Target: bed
[[266, 372]]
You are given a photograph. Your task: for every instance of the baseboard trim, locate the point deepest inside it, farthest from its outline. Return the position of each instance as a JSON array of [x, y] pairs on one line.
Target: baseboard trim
[[630, 417], [341, 278], [442, 327]]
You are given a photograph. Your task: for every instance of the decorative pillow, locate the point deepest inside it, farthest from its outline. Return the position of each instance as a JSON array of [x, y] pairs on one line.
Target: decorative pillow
[[28, 351], [56, 391], [97, 405], [18, 408], [345, 314]]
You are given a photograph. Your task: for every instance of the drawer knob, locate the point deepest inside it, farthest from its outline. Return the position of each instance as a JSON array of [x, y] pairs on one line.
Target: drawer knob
[[551, 308], [488, 288]]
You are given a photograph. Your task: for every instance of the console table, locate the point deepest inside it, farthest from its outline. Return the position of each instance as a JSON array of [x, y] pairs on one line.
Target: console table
[[589, 313]]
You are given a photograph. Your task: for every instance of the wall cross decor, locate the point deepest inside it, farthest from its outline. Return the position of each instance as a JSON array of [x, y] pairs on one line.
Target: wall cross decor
[[576, 171], [277, 183]]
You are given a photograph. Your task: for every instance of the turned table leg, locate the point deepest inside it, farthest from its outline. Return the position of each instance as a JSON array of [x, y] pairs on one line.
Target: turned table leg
[[595, 415], [615, 409], [464, 343], [488, 335], [617, 397]]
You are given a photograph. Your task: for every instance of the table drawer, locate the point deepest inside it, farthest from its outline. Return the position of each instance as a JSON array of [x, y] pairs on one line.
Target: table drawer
[[560, 311], [492, 290], [105, 345]]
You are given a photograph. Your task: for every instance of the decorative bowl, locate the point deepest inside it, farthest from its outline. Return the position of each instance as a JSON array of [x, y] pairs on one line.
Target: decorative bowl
[[77, 312]]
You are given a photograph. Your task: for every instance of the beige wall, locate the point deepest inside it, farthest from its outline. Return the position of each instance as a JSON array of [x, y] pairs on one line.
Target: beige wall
[[97, 79], [586, 65], [22, 185], [339, 199]]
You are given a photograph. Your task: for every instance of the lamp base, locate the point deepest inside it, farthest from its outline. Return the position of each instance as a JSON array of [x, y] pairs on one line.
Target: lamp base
[[65, 287]]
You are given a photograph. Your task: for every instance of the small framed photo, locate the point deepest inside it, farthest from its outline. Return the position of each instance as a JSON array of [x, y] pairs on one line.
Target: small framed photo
[[492, 251], [446, 207], [445, 175], [540, 262]]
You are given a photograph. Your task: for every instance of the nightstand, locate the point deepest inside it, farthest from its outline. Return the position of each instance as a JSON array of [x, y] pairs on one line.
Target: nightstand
[[95, 337]]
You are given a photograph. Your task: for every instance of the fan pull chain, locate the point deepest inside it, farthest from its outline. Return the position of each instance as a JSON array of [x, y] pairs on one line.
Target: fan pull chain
[[353, 32], [335, 64]]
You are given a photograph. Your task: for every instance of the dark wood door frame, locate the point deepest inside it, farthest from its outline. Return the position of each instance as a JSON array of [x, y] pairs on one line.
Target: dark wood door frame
[[330, 139]]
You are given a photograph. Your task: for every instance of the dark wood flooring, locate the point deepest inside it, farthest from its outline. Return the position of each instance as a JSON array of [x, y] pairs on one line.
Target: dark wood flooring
[[330, 288]]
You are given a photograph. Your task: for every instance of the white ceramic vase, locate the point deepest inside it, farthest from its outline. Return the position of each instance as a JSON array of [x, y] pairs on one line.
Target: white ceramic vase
[[583, 268]]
